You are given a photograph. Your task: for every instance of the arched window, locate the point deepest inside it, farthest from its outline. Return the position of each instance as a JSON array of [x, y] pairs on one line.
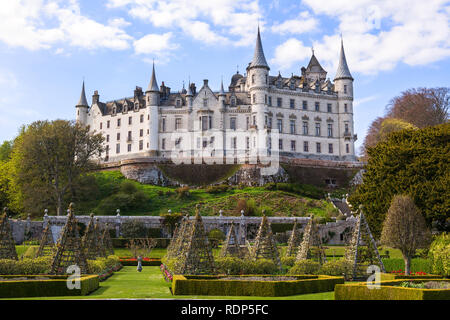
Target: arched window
[[253, 79]]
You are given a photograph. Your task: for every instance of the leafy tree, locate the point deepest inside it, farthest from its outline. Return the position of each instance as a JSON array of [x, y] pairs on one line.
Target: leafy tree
[[48, 158], [413, 162], [5, 150], [405, 229]]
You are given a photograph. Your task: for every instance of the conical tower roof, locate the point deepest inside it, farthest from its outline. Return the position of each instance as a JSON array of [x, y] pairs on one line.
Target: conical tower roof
[[314, 65], [259, 60], [153, 85], [222, 91], [343, 71], [82, 101]]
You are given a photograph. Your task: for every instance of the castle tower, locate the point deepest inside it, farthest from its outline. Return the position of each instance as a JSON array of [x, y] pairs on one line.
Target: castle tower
[[258, 84], [152, 102], [82, 108], [343, 85]]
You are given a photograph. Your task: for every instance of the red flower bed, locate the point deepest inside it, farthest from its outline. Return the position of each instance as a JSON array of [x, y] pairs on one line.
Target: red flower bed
[[418, 273]]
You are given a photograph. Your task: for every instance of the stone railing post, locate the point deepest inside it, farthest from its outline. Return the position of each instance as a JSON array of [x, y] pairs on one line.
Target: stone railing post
[[118, 223]]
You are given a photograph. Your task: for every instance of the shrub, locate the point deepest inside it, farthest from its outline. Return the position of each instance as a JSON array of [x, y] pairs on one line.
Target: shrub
[[305, 267], [439, 254], [417, 265], [251, 207], [265, 266], [39, 265], [102, 265], [128, 187], [133, 229], [183, 192], [288, 261], [217, 235], [229, 265], [217, 189], [31, 252], [337, 268], [241, 205]]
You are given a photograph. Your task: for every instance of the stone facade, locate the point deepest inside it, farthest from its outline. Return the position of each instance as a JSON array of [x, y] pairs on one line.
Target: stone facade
[[303, 116]]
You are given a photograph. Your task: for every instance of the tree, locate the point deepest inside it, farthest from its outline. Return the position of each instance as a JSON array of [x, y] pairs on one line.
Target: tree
[[47, 159], [5, 150], [413, 162], [405, 229], [420, 107]]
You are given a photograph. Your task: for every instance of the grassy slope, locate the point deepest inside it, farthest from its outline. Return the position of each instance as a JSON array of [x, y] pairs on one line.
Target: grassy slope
[[278, 202]]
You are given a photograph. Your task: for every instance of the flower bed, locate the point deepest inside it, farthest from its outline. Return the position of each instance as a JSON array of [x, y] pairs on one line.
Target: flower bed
[[389, 290], [128, 261], [168, 276], [35, 286], [109, 272], [217, 286]]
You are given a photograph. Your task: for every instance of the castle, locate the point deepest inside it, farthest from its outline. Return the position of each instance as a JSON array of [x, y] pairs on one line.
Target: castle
[[301, 117]]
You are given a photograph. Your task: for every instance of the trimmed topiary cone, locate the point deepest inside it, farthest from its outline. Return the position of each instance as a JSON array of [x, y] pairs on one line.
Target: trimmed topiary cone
[[231, 246], [311, 237], [7, 244], [265, 246], [294, 241], [90, 239], [69, 250], [106, 241]]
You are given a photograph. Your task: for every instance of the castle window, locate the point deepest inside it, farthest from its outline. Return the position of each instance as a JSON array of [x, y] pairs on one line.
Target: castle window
[[163, 144], [345, 107], [292, 125], [247, 143], [205, 102], [204, 123], [292, 103], [347, 148], [317, 105], [118, 148], [101, 125], [279, 83], [177, 123], [233, 123], [267, 81], [345, 88], [280, 144], [270, 101], [178, 103], [118, 122], [233, 101], [346, 128], [234, 143], [118, 136], [114, 110], [129, 136], [247, 122], [317, 129], [141, 118], [254, 98], [330, 130], [265, 99], [330, 148], [136, 106], [254, 120], [293, 145], [280, 125], [305, 127], [129, 147], [130, 120], [305, 105], [141, 133], [329, 107], [270, 123], [305, 146], [107, 124], [253, 79], [318, 147], [107, 138], [141, 144], [292, 85], [163, 124], [279, 102]]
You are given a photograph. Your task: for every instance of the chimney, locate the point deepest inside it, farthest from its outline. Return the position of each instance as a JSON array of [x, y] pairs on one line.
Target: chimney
[[205, 82], [95, 97]]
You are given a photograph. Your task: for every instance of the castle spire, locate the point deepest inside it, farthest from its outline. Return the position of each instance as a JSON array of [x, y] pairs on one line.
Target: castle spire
[[153, 86], [343, 71], [259, 60], [82, 101], [222, 91]]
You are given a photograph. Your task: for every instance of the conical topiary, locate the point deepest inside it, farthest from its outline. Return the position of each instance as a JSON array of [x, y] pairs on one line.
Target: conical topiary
[[106, 241], [311, 237], [180, 239], [294, 241], [69, 250], [89, 241], [359, 256], [265, 246], [7, 244], [101, 249], [47, 245], [196, 254], [231, 246]]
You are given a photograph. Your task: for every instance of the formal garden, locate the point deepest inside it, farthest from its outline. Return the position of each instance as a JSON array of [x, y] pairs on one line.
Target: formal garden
[[194, 265]]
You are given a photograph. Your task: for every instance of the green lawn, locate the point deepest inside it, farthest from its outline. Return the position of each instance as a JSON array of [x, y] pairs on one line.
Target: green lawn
[[150, 284]]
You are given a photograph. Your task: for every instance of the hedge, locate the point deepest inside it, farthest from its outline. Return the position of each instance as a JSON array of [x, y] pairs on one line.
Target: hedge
[[417, 265], [126, 261], [387, 291], [393, 276], [39, 265], [56, 286], [214, 286]]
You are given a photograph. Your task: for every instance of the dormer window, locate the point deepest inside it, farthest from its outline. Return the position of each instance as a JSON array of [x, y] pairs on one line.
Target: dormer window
[[114, 110], [205, 102], [178, 103], [233, 101], [292, 85], [125, 108], [279, 83], [136, 106]]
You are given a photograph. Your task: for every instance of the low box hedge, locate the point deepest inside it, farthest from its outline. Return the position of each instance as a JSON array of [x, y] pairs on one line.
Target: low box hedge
[[55, 286], [146, 262], [215, 286], [389, 291], [393, 276]]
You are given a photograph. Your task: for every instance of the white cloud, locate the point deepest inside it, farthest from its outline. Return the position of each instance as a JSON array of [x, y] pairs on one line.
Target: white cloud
[[381, 34], [360, 101], [40, 24], [302, 24], [207, 21], [290, 52], [154, 44]]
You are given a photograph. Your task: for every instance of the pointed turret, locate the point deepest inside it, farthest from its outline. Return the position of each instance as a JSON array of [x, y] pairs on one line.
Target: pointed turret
[[343, 71], [82, 101], [222, 91], [153, 85], [314, 70], [259, 60]]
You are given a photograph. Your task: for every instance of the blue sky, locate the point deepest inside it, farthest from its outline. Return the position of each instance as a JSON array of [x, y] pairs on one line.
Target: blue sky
[[48, 46]]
